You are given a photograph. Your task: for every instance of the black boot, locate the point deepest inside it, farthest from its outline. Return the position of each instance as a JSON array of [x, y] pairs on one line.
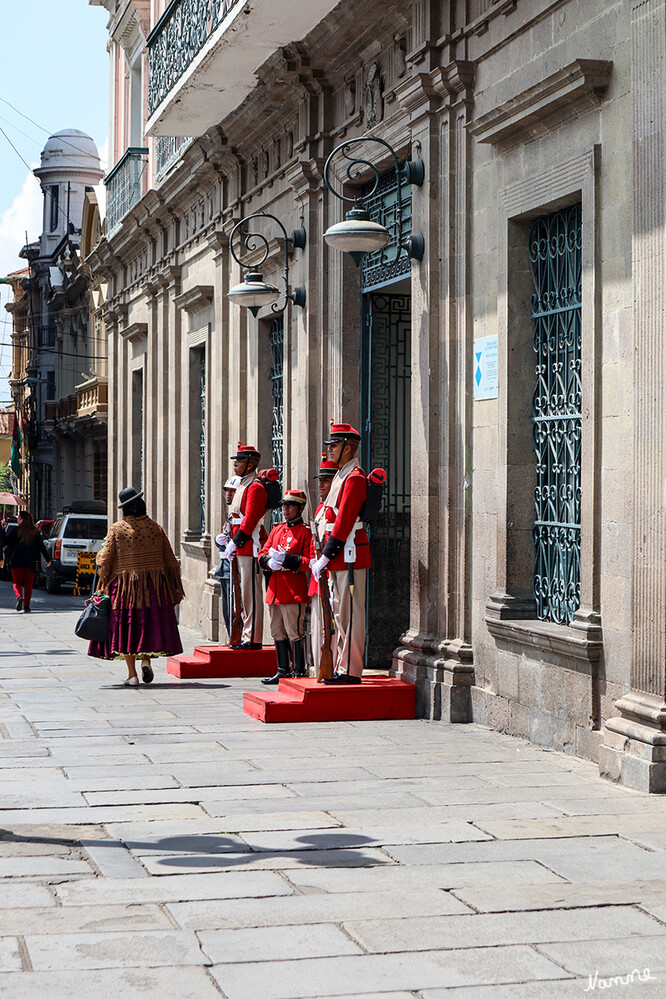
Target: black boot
[[298, 656], [283, 664]]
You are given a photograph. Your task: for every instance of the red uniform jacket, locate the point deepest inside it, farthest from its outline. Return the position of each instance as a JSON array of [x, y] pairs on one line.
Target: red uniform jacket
[[351, 498], [253, 509], [290, 584]]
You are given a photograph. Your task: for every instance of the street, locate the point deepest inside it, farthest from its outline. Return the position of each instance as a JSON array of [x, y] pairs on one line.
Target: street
[[158, 842]]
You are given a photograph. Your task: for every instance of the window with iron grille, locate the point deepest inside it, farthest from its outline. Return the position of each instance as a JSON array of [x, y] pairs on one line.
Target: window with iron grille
[[277, 390], [202, 440], [556, 266], [382, 267]]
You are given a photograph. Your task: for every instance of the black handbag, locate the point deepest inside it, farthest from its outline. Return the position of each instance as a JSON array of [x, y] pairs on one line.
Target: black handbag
[[93, 623]]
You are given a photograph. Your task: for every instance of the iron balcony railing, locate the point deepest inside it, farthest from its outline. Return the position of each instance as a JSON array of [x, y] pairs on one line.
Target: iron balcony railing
[[168, 149], [179, 35], [124, 186]]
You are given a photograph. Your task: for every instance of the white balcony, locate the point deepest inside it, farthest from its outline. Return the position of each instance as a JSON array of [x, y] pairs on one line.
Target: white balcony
[[204, 54]]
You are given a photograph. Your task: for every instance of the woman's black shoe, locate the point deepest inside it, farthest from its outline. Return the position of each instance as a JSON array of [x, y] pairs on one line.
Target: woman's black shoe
[[19, 603]]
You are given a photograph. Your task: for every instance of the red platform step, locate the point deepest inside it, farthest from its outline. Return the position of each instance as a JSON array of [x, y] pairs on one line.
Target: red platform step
[[306, 700], [219, 660]]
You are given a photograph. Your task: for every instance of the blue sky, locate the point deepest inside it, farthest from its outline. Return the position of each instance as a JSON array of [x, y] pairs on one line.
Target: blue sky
[[54, 70]]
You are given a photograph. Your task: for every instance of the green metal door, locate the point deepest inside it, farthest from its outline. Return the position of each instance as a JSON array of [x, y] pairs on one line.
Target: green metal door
[[386, 411]]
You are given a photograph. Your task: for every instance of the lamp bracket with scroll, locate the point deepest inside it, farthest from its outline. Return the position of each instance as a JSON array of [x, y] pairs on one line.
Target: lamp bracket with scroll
[[358, 234], [253, 292]]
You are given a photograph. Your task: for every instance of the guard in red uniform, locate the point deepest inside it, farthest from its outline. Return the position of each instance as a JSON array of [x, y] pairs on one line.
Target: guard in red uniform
[[246, 514], [346, 554], [286, 555], [327, 470]]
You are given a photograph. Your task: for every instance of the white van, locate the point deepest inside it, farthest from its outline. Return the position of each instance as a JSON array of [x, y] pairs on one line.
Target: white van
[[81, 527]]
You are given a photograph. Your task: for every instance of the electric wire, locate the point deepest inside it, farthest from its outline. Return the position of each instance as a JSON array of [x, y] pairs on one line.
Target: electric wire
[[41, 127]]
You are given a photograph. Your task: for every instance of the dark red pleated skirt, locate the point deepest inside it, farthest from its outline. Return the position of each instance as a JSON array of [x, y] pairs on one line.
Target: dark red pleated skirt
[[140, 631]]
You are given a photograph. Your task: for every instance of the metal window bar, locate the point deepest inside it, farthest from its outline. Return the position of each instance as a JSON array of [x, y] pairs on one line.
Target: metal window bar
[[124, 186], [177, 38], [276, 338], [381, 267], [168, 150], [386, 442], [202, 441], [556, 265]]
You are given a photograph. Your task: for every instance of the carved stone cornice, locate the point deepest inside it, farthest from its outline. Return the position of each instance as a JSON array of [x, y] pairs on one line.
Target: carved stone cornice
[[555, 99], [305, 176], [196, 298], [417, 96], [135, 331]]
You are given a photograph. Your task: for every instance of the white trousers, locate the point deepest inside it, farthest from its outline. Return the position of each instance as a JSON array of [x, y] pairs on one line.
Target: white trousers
[[317, 633], [252, 597], [350, 655]]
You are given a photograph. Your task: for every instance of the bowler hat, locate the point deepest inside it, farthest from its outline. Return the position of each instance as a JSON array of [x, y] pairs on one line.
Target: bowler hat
[[127, 495]]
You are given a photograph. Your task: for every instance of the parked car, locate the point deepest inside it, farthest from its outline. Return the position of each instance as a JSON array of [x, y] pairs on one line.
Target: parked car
[[44, 527], [80, 527]]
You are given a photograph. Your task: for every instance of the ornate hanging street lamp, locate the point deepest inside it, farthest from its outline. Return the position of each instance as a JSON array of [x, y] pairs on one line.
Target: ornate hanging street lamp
[[253, 293], [358, 234]]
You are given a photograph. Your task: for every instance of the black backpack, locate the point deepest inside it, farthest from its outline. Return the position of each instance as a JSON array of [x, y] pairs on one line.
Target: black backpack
[[270, 480], [373, 501]]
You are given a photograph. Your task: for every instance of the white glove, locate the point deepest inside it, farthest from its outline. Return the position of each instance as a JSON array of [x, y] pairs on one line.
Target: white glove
[[277, 557], [221, 541], [274, 565], [319, 566], [230, 551]]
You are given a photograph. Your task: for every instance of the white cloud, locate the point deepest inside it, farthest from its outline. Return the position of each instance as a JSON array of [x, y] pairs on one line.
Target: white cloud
[[23, 215]]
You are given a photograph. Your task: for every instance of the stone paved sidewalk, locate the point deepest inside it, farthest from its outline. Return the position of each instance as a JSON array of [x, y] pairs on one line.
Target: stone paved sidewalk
[[158, 842]]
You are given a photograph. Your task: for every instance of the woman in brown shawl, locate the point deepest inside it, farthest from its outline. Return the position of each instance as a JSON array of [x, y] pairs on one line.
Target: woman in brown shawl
[[138, 570]]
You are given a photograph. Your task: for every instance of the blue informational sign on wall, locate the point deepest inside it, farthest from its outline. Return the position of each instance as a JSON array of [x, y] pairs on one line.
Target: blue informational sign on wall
[[485, 367]]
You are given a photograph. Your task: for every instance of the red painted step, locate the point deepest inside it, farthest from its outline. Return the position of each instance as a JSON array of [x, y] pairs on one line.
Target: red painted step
[[219, 660], [306, 700]]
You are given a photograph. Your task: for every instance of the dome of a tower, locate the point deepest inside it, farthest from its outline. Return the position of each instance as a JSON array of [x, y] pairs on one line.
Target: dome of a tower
[[70, 149]]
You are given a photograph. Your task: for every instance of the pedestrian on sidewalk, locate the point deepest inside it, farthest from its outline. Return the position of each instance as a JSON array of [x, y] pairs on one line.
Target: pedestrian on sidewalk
[[24, 546], [138, 570]]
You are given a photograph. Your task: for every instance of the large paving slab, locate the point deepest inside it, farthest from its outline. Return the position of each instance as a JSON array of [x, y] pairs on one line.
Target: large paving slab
[[312, 908], [288, 979], [124, 983]]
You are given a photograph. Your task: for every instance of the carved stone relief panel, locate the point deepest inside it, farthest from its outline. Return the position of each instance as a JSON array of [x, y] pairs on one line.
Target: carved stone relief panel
[[373, 97]]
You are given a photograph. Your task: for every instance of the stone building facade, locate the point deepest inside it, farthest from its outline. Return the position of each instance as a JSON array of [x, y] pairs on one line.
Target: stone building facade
[[58, 378], [511, 381]]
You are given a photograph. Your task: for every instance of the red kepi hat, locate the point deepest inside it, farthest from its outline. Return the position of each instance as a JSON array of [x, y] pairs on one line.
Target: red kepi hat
[[245, 451], [327, 468], [343, 432]]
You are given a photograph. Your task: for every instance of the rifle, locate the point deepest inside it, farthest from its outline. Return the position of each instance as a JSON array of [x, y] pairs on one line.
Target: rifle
[[236, 620], [325, 654]]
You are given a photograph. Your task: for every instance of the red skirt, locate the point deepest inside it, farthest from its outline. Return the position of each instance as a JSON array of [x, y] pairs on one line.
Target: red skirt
[[140, 631]]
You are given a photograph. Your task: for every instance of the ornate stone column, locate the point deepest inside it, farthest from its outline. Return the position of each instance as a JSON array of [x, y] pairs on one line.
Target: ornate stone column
[[634, 748], [436, 651], [171, 339]]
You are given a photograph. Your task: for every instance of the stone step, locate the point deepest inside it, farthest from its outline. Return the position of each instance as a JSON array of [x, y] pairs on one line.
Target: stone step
[[307, 700], [219, 661]]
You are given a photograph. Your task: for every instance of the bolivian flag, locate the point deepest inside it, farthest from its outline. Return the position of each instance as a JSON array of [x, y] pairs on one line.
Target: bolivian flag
[[17, 440]]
